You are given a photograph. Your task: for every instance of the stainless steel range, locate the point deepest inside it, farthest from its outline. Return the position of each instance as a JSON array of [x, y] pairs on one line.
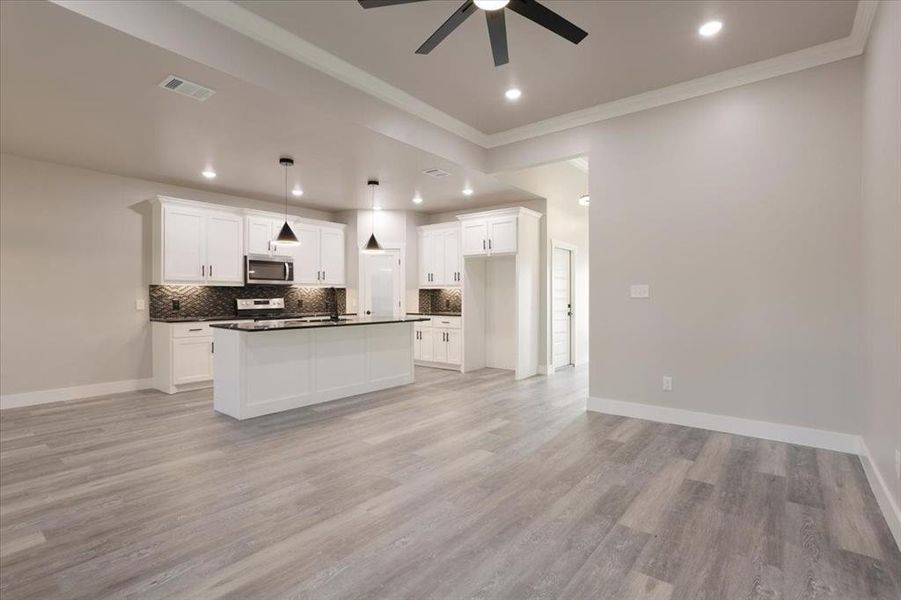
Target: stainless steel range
[[262, 308]]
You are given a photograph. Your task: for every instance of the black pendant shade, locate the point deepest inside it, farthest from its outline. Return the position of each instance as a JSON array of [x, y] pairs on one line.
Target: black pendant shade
[[372, 246], [286, 235]]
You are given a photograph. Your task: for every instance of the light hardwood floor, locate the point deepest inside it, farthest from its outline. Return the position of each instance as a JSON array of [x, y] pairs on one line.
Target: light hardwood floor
[[470, 486]]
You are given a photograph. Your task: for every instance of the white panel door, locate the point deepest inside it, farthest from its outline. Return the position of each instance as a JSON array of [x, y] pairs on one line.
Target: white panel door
[[183, 246], [475, 238], [427, 344], [380, 288], [192, 360], [306, 255], [454, 346], [561, 328], [502, 235], [331, 252], [453, 269], [224, 248], [440, 342], [259, 235]]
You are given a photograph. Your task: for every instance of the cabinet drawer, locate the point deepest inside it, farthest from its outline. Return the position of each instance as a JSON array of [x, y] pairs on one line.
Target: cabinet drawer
[[447, 322], [185, 330]]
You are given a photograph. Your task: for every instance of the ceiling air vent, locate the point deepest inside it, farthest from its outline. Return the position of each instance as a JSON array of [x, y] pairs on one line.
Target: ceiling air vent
[[436, 172], [186, 88]]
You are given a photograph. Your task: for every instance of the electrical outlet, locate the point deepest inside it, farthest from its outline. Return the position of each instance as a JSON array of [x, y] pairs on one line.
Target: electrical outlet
[[667, 383], [898, 463], [642, 290], [139, 304], [176, 304]]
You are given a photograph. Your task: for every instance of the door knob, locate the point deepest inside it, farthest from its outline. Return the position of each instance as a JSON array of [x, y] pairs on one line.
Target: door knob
[[368, 312]]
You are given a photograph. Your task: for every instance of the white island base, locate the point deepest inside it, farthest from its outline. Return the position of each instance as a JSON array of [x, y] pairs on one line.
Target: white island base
[[263, 372]]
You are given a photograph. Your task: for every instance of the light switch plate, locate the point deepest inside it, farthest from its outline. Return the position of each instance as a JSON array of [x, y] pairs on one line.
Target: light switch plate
[[139, 304], [641, 290], [667, 383]]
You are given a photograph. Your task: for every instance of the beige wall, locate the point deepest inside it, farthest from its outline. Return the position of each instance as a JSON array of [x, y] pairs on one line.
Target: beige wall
[[741, 210], [74, 257], [881, 191]]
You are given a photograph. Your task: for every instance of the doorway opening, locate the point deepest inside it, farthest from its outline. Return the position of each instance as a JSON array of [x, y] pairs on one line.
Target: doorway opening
[[562, 299]]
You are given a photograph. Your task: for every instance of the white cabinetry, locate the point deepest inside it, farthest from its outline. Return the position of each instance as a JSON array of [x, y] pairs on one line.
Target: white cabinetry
[[319, 259], [486, 234], [182, 355], [439, 255], [197, 245], [331, 258], [438, 342]]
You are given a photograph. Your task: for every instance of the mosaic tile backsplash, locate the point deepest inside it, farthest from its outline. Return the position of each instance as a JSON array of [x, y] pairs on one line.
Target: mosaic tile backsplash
[[440, 300], [204, 302]]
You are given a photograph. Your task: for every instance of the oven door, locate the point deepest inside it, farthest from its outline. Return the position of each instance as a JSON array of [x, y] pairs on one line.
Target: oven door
[[269, 269]]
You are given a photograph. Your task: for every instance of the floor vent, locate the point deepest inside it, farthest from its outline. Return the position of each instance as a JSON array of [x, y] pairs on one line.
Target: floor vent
[[186, 88], [436, 172]]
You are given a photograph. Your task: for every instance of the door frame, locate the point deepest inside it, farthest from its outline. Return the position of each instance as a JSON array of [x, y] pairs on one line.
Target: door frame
[[400, 248], [572, 301]]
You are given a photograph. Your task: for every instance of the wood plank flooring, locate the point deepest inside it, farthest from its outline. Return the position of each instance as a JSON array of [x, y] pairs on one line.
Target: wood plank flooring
[[458, 486]]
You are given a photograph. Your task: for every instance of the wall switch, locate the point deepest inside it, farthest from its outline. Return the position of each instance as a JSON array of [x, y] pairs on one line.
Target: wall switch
[[667, 383], [640, 291], [139, 304], [898, 463], [176, 304]]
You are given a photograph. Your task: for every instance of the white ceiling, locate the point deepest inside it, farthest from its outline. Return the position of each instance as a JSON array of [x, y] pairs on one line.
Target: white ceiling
[[80, 93], [633, 46]]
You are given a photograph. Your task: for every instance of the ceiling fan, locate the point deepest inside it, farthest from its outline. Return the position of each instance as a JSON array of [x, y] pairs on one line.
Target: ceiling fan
[[494, 15]]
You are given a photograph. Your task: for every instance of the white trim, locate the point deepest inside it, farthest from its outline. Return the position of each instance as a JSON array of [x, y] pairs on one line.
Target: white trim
[[890, 509], [73, 393], [267, 33], [779, 432], [546, 369]]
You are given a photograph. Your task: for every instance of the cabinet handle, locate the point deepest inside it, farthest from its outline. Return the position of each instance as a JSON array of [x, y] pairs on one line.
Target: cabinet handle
[[489, 244], [211, 270], [483, 244], [212, 347], [203, 270], [323, 276], [197, 329]]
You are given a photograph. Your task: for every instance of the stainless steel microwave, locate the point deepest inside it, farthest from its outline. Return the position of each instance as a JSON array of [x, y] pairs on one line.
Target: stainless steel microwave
[[261, 268]]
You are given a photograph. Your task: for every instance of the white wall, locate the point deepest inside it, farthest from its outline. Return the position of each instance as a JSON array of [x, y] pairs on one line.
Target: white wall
[[741, 210], [561, 184], [881, 192], [74, 257]]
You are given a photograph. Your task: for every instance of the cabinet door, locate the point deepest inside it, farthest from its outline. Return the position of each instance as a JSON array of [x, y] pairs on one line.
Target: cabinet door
[[224, 248], [454, 346], [427, 344], [192, 360], [502, 235], [475, 238], [183, 245], [424, 259], [440, 339], [436, 257], [453, 269], [259, 235], [306, 255], [417, 343], [331, 251]]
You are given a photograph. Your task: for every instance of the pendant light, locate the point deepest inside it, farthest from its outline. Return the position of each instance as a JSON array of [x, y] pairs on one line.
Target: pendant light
[[372, 246], [286, 236]]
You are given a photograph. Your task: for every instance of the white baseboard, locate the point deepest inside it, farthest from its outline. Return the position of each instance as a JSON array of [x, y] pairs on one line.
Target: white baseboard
[[890, 509], [793, 434], [72, 393]]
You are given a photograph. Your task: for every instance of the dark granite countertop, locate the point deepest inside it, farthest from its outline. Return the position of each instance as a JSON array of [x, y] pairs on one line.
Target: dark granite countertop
[[282, 324], [243, 318], [437, 313]]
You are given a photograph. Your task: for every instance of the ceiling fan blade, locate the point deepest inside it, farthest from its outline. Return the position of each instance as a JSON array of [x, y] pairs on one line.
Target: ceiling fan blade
[[447, 27], [380, 3], [548, 19], [497, 33]]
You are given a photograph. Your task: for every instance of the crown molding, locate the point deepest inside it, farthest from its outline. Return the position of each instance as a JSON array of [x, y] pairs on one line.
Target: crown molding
[[267, 33]]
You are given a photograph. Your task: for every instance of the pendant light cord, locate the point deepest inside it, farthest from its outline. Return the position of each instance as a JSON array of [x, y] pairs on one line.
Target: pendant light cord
[[286, 193]]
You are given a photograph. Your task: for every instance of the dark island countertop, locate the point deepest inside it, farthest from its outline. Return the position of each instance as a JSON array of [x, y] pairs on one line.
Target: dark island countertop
[[437, 313], [313, 323], [281, 317]]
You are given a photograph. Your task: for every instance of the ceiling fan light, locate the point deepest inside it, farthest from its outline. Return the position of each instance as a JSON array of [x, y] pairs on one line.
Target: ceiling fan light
[[491, 4]]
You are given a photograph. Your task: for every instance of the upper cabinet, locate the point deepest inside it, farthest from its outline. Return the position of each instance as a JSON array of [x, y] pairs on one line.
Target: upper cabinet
[[492, 232], [197, 246], [439, 255], [201, 244]]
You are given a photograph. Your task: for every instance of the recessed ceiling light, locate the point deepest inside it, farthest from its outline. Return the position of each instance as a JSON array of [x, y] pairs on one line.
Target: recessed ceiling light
[[491, 4], [417, 199], [297, 191], [376, 208], [208, 173], [710, 28], [467, 191], [513, 94], [585, 200]]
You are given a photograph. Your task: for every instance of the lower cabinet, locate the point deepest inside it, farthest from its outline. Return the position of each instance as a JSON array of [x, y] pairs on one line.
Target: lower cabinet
[[439, 342], [182, 356], [192, 360]]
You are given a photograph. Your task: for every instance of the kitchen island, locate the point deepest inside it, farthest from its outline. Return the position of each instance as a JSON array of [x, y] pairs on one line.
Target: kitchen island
[[272, 366]]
